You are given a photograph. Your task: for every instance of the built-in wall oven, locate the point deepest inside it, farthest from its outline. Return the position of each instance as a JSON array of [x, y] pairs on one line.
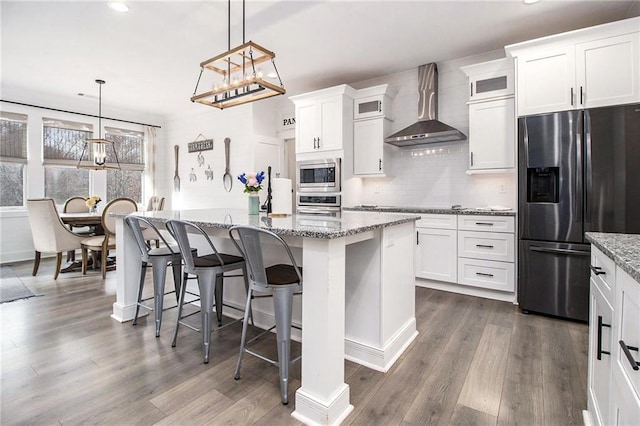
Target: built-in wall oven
[[318, 175], [318, 203], [318, 187]]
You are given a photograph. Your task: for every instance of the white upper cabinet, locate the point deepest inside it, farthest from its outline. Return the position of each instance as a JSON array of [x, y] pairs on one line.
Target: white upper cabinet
[[371, 112], [491, 79], [546, 81], [592, 67], [607, 71], [492, 136], [324, 120]]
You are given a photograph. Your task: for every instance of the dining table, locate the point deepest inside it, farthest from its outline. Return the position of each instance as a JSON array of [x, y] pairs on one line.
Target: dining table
[[76, 220]]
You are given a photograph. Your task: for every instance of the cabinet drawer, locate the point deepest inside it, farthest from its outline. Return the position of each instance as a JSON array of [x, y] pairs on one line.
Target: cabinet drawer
[[628, 315], [486, 223], [439, 221], [603, 272], [486, 245], [486, 274]]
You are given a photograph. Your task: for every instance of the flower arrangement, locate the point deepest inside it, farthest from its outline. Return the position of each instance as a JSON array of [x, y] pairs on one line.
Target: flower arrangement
[[92, 202], [252, 181]]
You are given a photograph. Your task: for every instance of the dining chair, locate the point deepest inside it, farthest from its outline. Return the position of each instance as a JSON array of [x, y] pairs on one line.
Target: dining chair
[[210, 269], [155, 203], [158, 259], [76, 205], [280, 281], [49, 234], [106, 242]]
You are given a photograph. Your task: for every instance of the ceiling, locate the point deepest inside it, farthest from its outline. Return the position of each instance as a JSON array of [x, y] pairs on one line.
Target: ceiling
[[150, 56]]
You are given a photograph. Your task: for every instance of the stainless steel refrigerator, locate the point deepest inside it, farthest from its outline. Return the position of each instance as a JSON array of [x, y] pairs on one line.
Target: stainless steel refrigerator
[[578, 171]]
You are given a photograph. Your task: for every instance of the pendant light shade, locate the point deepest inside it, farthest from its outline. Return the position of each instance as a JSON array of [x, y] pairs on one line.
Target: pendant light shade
[[99, 154], [240, 75]]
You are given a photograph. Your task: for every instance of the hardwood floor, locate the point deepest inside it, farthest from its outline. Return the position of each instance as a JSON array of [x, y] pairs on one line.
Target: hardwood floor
[[475, 362]]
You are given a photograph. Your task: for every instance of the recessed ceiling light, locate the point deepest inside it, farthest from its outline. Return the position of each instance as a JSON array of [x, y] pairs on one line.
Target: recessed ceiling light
[[530, 1], [120, 7]]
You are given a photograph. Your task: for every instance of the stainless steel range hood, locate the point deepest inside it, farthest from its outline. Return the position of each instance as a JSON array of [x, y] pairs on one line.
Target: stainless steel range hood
[[427, 129]]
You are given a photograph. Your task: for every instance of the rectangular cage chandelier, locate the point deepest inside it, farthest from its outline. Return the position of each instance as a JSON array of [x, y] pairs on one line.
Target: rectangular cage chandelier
[[243, 78]]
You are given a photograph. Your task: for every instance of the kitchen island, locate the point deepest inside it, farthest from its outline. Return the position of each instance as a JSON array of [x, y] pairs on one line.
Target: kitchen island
[[358, 300]]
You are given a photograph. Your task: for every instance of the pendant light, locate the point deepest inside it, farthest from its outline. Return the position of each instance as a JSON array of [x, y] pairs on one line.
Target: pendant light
[[241, 71], [98, 154]]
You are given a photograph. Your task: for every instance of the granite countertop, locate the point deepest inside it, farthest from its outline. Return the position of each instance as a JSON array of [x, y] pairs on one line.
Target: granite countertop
[[314, 226], [430, 210], [624, 249]]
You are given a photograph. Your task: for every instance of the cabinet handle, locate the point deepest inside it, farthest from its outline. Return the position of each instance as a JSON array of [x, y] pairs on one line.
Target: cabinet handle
[[484, 223], [482, 274], [484, 246], [471, 158], [314, 143], [572, 96], [471, 92], [380, 164], [634, 364], [581, 97], [597, 270], [417, 237], [318, 142], [599, 348], [379, 106]]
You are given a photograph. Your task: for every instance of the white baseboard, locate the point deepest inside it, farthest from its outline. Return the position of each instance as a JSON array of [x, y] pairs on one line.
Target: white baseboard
[[467, 290], [312, 411]]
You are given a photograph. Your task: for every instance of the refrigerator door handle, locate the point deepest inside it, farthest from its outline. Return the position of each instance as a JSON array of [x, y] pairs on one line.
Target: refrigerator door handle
[[587, 174], [560, 251], [579, 176]]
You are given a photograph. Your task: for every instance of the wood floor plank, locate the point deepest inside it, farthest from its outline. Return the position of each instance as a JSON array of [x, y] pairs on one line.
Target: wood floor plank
[[482, 388], [564, 393], [465, 416], [522, 400]]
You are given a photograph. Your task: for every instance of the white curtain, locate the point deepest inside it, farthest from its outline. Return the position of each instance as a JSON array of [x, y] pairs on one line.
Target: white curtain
[[150, 139]]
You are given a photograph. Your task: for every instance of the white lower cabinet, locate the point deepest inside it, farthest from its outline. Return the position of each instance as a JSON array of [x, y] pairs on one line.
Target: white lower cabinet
[[436, 251], [614, 339], [470, 250]]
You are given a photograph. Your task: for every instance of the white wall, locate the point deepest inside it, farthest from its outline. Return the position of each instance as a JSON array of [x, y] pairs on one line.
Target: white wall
[[433, 175]]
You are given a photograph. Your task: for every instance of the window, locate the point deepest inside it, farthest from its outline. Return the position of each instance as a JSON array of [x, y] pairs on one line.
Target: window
[[127, 182], [63, 142], [13, 157]]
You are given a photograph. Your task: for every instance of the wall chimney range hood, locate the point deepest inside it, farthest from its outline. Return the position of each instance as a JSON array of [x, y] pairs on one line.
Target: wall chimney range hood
[[427, 129]]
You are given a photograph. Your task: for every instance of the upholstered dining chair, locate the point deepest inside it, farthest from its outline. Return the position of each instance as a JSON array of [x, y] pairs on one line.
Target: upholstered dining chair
[[210, 267], [106, 242], [49, 234], [281, 281], [155, 204], [77, 205]]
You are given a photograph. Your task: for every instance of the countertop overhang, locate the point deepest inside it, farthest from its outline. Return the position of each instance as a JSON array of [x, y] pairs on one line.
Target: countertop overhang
[[624, 249], [313, 226]]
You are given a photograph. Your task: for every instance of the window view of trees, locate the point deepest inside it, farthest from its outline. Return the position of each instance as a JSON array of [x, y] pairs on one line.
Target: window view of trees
[[62, 183], [130, 150], [13, 157]]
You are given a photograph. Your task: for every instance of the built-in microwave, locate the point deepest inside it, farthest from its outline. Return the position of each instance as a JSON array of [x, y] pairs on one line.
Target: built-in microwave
[[321, 203], [318, 175]]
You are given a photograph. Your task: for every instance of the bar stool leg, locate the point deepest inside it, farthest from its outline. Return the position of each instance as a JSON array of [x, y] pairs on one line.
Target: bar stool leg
[[183, 290], [243, 339], [159, 266], [218, 297], [143, 274], [282, 302], [177, 274], [206, 284]]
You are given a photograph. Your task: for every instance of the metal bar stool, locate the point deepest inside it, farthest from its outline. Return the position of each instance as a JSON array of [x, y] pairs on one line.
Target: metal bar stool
[[282, 282], [209, 270], [158, 259]]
